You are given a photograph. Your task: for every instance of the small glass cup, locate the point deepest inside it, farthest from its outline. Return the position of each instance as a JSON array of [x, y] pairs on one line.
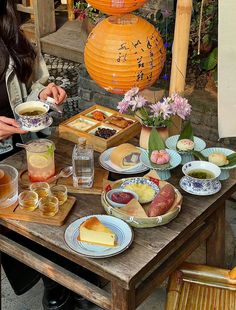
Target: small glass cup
[[8, 185], [28, 200], [41, 188], [59, 191], [48, 206]]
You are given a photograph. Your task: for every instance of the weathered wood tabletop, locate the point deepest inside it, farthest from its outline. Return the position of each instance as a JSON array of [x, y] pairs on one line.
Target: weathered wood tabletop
[[154, 253]]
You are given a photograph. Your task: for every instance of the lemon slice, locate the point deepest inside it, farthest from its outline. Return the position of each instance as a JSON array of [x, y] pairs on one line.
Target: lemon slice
[[38, 161]]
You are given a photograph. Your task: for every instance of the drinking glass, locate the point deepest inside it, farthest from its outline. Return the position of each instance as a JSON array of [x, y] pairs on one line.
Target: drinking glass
[[41, 188], [48, 206], [40, 160], [59, 191], [28, 200], [8, 185]]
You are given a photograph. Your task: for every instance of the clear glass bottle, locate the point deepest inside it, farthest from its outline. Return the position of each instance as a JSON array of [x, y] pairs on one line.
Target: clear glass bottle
[[83, 164]]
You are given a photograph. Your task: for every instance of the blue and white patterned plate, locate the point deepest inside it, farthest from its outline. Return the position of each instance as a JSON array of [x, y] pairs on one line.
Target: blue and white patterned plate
[[199, 188], [104, 158], [124, 235]]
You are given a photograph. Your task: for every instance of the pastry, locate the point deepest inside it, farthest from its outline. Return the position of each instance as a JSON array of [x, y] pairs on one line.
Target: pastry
[[81, 124], [160, 157], [93, 231], [185, 145], [120, 122], [125, 155], [144, 191], [218, 159]]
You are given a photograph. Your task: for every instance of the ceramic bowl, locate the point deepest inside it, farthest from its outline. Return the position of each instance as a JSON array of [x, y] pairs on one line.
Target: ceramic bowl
[[118, 190], [33, 122], [196, 184]]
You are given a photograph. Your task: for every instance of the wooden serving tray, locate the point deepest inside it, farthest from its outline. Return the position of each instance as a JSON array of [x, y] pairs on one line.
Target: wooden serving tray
[[99, 176], [144, 222], [16, 213], [100, 144]]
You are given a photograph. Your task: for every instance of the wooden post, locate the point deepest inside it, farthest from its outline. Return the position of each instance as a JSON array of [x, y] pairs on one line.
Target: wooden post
[[45, 21], [180, 53], [70, 9]]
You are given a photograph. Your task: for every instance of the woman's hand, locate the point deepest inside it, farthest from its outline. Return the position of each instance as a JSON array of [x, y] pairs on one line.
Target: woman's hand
[[9, 126], [54, 91]]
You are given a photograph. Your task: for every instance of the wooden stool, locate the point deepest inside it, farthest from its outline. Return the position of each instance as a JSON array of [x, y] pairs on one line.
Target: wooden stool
[[199, 287]]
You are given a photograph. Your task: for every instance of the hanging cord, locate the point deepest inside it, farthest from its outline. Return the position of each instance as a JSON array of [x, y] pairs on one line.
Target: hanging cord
[[199, 28]]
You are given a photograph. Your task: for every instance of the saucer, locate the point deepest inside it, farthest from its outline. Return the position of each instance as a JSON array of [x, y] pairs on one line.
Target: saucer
[[38, 128], [196, 188]]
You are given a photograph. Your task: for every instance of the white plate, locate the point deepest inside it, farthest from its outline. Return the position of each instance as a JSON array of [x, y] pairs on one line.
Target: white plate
[[223, 150], [122, 230], [36, 129], [187, 187], [104, 158]]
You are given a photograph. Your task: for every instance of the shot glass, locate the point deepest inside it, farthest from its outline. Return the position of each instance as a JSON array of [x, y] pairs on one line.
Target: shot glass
[[49, 206], [41, 188], [59, 191], [28, 200]]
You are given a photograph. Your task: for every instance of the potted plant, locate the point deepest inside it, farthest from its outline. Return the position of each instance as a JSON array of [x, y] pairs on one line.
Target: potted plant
[[89, 15], [157, 115]]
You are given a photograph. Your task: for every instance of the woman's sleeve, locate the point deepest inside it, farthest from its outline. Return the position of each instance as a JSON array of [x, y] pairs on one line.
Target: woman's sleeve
[[39, 79]]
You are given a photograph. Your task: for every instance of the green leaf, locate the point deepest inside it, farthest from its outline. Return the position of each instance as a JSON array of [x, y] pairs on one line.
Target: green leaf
[[187, 132], [199, 155], [232, 160], [155, 142], [164, 166], [211, 61]]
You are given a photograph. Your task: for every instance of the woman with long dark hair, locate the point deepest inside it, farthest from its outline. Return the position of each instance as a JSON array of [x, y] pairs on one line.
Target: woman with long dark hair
[[22, 76]]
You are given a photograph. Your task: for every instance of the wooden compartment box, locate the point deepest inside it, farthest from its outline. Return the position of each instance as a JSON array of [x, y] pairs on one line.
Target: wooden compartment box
[[84, 125]]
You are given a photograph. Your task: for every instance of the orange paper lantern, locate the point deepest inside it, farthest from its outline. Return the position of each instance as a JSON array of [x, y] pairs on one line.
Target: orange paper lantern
[[123, 52], [116, 7]]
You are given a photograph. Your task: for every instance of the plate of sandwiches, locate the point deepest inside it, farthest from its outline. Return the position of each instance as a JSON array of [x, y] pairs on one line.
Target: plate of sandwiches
[[99, 236], [123, 159]]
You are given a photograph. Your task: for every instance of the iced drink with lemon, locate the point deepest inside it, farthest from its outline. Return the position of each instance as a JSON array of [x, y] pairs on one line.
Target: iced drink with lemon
[[40, 160]]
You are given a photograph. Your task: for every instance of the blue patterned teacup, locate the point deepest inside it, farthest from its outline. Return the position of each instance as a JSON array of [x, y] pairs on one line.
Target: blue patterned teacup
[[32, 115]]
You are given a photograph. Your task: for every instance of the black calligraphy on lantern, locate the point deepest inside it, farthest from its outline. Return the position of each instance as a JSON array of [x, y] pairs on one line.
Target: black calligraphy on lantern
[[122, 57], [123, 47], [149, 77], [140, 76], [140, 62], [136, 43]]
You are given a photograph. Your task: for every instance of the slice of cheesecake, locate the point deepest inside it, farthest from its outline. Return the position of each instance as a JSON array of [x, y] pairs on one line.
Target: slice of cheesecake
[[93, 231]]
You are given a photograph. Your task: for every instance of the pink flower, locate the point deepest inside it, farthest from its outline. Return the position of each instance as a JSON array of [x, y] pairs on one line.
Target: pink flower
[[137, 102], [180, 106], [162, 108], [123, 106], [130, 93]]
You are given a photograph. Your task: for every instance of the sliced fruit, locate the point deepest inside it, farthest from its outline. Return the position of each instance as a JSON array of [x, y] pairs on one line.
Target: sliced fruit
[[38, 161]]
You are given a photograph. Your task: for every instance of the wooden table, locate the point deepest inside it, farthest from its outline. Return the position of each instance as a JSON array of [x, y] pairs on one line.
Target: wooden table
[[153, 255]]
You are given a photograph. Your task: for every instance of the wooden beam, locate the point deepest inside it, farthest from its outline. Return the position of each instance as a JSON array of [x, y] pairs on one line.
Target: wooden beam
[[180, 53], [70, 9], [24, 9]]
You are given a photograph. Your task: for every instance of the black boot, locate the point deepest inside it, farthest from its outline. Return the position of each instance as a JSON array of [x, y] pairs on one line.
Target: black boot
[[56, 297]]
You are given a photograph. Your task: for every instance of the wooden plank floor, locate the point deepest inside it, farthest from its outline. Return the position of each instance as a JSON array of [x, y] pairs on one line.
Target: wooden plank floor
[[67, 42]]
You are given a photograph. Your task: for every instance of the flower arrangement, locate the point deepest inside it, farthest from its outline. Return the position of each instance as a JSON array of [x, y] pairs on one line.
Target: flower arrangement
[[154, 114], [84, 10]]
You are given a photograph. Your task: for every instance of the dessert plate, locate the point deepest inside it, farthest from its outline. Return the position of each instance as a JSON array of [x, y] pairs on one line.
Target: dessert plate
[[224, 169], [32, 129], [164, 174], [199, 190], [122, 230], [199, 145], [104, 160]]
